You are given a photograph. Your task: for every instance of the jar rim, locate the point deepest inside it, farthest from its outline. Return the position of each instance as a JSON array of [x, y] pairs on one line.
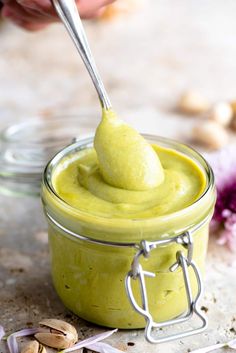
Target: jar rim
[[171, 143]]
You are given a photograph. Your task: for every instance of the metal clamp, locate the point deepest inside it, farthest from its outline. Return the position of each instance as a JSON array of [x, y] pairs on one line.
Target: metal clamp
[[183, 262]]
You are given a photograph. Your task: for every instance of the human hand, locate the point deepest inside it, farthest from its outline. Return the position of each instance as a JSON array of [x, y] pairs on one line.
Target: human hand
[[36, 14]]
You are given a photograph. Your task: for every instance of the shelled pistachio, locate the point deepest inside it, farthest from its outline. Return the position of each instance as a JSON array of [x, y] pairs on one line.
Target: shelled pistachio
[[211, 134], [33, 347], [56, 334], [193, 103], [222, 113]]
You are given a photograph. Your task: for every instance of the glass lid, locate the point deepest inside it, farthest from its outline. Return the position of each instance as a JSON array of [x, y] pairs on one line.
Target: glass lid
[[25, 149]]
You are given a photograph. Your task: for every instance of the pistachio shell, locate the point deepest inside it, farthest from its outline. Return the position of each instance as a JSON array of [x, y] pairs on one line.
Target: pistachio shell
[[31, 347], [54, 340], [57, 334], [60, 326]]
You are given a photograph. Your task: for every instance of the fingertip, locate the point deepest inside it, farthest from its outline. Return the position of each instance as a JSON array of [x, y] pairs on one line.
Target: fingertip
[[94, 14], [6, 11], [28, 4], [99, 12], [35, 4], [31, 26]]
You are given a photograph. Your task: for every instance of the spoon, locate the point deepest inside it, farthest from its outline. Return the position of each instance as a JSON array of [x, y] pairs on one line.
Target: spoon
[[136, 166], [68, 13]]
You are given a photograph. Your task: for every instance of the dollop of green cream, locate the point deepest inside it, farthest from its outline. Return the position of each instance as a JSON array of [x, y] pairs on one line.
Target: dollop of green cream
[[126, 160], [78, 181]]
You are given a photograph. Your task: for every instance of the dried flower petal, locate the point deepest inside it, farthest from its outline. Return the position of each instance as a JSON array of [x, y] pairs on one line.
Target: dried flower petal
[[90, 341], [2, 332], [224, 166], [103, 348], [12, 342], [232, 344], [223, 163]]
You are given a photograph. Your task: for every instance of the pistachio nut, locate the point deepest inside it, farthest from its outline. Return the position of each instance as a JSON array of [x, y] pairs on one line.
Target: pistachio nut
[[33, 347], [56, 334], [222, 113], [210, 134], [193, 103]]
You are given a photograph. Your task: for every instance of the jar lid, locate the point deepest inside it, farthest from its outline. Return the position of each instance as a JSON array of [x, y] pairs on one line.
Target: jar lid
[[26, 148]]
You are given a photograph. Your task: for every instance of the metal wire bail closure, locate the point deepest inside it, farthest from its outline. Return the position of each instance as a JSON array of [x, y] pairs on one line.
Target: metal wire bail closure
[[137, 273]]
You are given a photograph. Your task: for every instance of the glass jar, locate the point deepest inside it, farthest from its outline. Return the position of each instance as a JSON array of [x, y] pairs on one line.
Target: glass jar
[[104, 268], [26, 147]]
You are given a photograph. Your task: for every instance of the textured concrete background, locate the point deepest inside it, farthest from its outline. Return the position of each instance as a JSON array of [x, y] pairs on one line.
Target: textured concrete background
[[146, 60]]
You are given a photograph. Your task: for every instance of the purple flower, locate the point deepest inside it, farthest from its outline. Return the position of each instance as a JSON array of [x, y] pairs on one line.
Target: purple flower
[[223, 164], [226, 201]]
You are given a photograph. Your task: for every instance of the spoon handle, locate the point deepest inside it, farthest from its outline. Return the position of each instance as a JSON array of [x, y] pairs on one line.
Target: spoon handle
[[68, 12]]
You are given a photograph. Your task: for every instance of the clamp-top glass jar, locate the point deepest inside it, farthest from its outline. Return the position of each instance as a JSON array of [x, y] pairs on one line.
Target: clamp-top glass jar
[[129, 273]]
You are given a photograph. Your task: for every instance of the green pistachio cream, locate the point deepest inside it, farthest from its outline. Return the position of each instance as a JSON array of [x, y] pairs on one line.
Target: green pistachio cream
[[123, 189], [124, 176]]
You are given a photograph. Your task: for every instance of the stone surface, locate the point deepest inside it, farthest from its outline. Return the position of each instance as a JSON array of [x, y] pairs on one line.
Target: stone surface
[[146, 60]]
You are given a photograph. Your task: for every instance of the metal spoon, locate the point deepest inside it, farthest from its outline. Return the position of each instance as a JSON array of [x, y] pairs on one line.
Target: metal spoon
[[68, 12]]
